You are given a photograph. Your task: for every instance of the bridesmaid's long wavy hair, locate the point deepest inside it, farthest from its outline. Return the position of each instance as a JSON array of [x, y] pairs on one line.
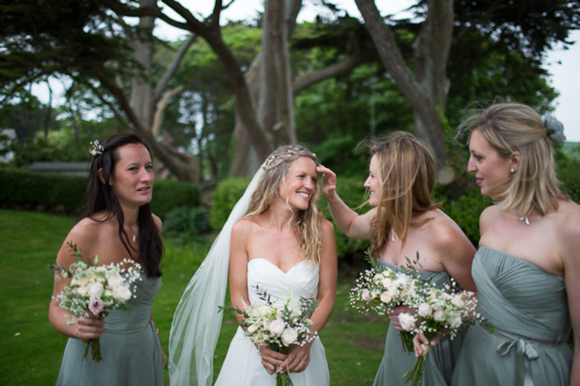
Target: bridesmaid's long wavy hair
[[406, 174], [99, 197], [307, 223]]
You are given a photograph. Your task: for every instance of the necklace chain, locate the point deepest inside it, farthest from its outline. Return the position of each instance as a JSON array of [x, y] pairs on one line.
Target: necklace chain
[[525, 218], [134, 238]]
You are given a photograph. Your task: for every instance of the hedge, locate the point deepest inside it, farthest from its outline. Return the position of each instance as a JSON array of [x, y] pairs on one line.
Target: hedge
[[60, 193]]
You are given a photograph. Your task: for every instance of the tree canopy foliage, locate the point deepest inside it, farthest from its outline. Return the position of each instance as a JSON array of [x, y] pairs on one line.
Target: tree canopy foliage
[[341, 90]]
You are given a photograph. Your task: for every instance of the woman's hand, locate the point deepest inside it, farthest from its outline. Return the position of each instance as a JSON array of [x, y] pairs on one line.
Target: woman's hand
[[298, 358], [89, 326], [393, 314], [272, 360], [163, 358], [422, 344], [328, 181]]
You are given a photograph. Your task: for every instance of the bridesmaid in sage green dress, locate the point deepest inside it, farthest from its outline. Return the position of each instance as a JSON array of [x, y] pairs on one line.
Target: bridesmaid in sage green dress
[[405, 221], [118, 225], [527, 266]]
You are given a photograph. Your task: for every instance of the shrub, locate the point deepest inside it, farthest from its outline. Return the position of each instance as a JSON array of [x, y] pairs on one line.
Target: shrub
[[568, 173], [170, 194], [466, 210], [186, 223], [227, 193], [41, 191], [61, 193]]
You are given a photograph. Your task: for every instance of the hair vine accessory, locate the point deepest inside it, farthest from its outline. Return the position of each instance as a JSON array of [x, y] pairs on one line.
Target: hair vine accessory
[[271, 161], [554, 129], [96, 148]]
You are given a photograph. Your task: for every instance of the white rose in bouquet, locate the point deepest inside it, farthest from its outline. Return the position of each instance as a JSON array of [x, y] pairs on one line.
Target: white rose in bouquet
[[115, 280], [277, 327], [386, 297], [122, 293], [456, 321], [82, 290], [424, 310], [407, 321], [386, 282], [439, 316], [403, 278], [457, 301], [263, 311], [96, 289], [289, 336]]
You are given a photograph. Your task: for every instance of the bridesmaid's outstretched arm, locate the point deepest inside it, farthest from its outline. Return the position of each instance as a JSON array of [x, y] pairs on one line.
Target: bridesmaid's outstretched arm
[[347, 220]]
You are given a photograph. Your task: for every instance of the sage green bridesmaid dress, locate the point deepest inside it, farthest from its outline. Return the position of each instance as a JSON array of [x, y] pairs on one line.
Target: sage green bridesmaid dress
[[130, 347], [528, 309], [440, 360]]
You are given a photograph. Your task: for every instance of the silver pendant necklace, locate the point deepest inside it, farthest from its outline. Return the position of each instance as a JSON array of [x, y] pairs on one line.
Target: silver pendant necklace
[[134, 238], [525, 219]]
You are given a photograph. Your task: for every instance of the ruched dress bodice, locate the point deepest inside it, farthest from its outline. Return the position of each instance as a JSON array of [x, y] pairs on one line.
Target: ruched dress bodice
[[242, 365], [129, 347], [440, 360], [528, 309]]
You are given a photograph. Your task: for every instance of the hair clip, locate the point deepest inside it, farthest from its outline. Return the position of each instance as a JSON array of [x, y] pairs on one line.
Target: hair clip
[[96, 148], [554, 129]]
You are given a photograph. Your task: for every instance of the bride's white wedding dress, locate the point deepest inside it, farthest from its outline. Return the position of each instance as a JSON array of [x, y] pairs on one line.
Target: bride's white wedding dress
[[243, 364]]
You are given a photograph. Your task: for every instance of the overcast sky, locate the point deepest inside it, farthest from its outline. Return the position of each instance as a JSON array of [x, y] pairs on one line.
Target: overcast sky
[[564, 65]]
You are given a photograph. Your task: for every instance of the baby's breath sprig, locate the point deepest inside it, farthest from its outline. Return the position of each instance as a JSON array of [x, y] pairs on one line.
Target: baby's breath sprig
[[96, 148]]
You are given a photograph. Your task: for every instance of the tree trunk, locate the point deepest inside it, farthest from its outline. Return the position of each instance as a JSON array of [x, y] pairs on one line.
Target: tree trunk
[[48, 116], [275, 106], [432, 70], [245, 161], [142, 44]]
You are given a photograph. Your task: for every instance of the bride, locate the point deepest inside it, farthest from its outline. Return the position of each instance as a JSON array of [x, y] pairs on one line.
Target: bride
[[283, 245]]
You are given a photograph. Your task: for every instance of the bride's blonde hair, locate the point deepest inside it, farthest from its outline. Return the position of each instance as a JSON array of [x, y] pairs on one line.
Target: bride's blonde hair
[[306, 223]]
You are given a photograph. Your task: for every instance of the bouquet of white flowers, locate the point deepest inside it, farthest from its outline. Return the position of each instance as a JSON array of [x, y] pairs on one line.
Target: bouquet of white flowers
[[279, 325], [380, 290], [432, 311], [377, 290], [97, 289], [438, 311]]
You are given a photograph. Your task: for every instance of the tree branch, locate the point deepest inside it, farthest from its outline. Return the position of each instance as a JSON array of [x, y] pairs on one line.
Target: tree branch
[[310, 78], [158, 117], [173, 67]]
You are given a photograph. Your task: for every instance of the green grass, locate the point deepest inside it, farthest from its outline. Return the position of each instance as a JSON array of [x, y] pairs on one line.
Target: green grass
[[31, 350]]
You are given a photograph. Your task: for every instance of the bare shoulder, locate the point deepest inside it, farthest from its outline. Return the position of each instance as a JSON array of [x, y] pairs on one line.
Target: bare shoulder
[[568, 227], [487, 217], [243, 227], [327, 227], [157, 222], [85, 235], [445, 232]]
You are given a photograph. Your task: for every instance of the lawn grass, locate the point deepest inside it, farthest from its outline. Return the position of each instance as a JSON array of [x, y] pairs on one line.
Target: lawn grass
[[31, 350]]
